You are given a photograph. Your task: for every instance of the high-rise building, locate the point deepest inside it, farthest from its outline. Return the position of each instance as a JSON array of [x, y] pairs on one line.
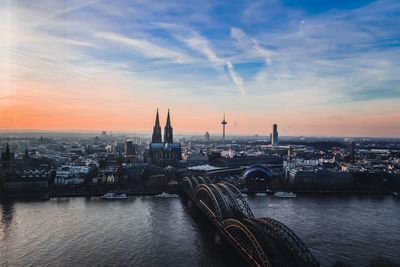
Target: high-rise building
[[224, 123], [207, 137], [290, 153], [352, 151], [274, 135], [156, 138], [129, 148]]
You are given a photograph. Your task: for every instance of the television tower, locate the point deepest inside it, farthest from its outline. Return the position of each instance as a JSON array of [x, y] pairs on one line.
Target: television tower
[[223, 128]]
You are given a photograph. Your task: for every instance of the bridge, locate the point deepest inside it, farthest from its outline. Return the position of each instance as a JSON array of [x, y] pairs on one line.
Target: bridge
[[261, 241]]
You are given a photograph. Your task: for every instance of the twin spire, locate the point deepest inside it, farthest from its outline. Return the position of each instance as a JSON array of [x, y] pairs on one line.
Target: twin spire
[[168, 131]]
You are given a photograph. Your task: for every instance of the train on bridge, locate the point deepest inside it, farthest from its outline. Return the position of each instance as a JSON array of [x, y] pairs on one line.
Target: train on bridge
[[261, 241]]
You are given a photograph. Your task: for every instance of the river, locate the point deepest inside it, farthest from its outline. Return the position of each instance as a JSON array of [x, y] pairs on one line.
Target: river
[[146, 231]]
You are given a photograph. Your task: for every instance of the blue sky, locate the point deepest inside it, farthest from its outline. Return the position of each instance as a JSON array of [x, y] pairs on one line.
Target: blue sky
[[314, 67]]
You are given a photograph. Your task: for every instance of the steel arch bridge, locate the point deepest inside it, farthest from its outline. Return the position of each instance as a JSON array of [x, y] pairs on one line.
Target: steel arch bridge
[[261, 241]]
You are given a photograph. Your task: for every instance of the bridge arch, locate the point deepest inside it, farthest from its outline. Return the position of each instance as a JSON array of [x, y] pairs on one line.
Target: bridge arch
[[263, 242], [204, 194], [289, 242], [187, 184], [208, 181], [204, 179], [241, 202], [266, 239], [248, 243], [223, 202], [194, 182], [237, 210]]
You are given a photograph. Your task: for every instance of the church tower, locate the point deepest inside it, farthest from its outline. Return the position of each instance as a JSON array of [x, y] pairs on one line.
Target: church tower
[[7, 160], [156, 138], [26, 160], [168, 131]]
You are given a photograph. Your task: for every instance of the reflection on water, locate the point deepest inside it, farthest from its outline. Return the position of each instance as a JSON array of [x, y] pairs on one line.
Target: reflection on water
[[7, 210], [352, 229], [164, 232]]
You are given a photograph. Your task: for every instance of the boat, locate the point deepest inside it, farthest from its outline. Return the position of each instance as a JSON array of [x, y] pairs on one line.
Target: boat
[[113, 195], [284, 194], [166, 195], [260, 194]]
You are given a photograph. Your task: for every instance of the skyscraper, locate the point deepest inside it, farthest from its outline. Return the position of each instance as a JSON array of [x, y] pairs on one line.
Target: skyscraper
[[156, 138], [274, 135], [207, 137], [224, 122], [129, 148], [352, 151]]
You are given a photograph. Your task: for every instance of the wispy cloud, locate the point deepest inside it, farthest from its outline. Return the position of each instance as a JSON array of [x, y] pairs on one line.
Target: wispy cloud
[[201, 45], [235, 77], [250, 44], [145, 47]]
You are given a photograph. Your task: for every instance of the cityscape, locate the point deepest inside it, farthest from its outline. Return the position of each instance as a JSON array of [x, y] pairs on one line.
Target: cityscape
[[261, 133], [47, 166], [57, 164]]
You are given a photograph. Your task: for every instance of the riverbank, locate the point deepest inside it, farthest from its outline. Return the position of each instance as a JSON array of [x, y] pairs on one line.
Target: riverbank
[[79, 192]]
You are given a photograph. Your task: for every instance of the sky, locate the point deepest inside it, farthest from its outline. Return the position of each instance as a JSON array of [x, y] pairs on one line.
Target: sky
[[318, 68]]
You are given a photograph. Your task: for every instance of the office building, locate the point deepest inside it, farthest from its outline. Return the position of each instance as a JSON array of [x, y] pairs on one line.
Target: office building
[[274, 135]]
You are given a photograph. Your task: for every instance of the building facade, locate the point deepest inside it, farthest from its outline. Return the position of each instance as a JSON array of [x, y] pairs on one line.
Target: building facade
[[274, 135], [165, 153]]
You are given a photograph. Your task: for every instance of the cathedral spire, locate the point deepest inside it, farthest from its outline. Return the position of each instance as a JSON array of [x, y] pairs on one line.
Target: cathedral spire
[[168, 131], [7, 155], [157, 124], [168, 120], [156, 138]]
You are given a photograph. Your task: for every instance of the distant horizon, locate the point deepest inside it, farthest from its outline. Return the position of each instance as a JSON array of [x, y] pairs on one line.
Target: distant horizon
[[213, 135]]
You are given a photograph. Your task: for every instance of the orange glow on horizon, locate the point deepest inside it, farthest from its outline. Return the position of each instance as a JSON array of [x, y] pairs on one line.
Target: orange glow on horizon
[[32, 105], [19, 116]]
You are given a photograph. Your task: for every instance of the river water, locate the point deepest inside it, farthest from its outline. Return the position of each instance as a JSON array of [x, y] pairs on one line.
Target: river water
[[144, 231]]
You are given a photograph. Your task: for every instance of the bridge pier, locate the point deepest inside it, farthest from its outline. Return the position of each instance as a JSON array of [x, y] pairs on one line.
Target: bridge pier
[[190, 203], [217, 239]]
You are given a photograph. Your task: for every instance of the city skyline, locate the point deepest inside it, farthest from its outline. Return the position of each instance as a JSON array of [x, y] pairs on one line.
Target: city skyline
[[317, 69]]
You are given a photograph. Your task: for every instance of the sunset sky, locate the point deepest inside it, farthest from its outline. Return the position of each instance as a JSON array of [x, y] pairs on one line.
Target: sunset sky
[[321, 68]]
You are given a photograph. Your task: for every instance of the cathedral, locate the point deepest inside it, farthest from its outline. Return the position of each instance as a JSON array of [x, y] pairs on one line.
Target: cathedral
[[165, 153]]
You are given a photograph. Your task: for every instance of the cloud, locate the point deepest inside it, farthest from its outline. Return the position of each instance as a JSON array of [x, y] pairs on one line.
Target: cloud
[[235, 77], [200, 44], [387, 90], [248, 43], [145, 47]]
